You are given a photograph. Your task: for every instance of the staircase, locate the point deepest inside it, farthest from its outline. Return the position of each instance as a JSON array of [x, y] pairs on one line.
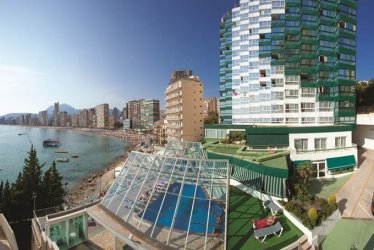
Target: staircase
[[304, 244]]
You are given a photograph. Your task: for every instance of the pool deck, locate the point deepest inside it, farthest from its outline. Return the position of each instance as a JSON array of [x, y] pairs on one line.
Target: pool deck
[[243, 209]]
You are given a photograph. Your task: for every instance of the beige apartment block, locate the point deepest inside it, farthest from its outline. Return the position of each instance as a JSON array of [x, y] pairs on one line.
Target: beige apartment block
[[102, 116], [184, 110]]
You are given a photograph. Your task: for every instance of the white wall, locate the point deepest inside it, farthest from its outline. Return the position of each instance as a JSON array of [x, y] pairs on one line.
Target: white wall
[[323, 154], [363, 135]]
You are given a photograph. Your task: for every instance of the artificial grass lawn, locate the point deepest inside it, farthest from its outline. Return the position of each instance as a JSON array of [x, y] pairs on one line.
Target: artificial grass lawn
[[350, 234], [224, 150], [326, 186], [244, 208]]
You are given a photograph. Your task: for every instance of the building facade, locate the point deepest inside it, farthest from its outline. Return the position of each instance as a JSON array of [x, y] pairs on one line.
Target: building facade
[[184, 110], [210, 105], [83, 118], [133, 113], [43, 118], [288, 62], [149, 113], [75, 121], [63, 119], [92, 118], [102, 115], [55, 114], [290, 66]]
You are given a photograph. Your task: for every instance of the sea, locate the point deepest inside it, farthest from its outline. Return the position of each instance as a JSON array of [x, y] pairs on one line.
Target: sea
[[94, 151]]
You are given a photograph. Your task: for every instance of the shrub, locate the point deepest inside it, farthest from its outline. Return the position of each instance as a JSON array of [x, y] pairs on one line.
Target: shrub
[[332, 201], [313, 216]]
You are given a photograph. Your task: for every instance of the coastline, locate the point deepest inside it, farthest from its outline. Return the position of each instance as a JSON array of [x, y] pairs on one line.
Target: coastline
[[88, 187], [96, 184]]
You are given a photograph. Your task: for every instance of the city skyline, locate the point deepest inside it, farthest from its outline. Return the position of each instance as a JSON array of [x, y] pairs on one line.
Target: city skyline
[[62, 51]]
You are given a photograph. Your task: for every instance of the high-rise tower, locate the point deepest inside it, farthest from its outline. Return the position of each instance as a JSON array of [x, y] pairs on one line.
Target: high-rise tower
[[288, 62], [287, 79], [56, 111]]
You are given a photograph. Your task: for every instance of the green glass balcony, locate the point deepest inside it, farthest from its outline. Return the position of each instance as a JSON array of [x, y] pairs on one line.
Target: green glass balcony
[[348, 98], [277, 62], [293, 59], [308, 70], [324, 97], [309, 12], [326, 67], [294, 45], [292, 32], [328, 5], [326, 83], [350, 3], [308, 84], [346, 33], [293, 4]]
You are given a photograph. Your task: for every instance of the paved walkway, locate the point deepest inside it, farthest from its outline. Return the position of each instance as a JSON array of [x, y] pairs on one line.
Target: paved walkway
[[354, 198]]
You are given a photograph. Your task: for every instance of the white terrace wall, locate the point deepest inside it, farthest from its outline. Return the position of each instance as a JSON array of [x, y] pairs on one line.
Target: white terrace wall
[[9, 234]]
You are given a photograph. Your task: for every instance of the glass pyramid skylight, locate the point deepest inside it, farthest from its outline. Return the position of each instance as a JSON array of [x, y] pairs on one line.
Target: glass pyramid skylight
[[177, 201]]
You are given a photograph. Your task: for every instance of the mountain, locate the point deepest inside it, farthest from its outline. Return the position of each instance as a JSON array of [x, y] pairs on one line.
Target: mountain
[[63, 107]]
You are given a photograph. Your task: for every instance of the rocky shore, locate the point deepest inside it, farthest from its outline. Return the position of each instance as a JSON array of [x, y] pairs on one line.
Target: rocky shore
[[98, 183]]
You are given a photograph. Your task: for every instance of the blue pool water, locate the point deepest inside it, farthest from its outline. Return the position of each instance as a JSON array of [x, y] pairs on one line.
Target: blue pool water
[[200, 211]]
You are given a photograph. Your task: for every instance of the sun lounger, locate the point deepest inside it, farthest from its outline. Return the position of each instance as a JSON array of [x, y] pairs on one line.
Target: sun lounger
[[264, 232], [272, 206]]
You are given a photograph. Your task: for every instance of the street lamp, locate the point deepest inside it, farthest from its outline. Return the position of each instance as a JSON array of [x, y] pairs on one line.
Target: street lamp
[[34, 197]]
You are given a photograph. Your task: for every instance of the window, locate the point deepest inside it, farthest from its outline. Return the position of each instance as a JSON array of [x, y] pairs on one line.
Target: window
[[308, 92], [308, 120], [292, 93], [307, 107], [292, 108], [325, 106], [340, 142], [320, 143], [292, 120], [301, 144]]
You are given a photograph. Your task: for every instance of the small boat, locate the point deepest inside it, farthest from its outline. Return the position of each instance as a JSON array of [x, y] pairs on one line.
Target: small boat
[[63, 159], [75, 156], [51, 143], [61, 152]]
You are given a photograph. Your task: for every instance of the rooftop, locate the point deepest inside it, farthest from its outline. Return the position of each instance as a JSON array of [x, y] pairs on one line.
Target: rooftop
[[270, 158], [245, 208]]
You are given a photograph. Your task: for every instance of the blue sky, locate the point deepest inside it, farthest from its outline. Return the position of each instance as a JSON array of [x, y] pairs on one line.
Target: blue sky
[[89, 52]]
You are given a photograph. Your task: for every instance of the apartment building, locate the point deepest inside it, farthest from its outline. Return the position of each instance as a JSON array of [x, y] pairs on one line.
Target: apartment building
[[184, 110], [102, 115]]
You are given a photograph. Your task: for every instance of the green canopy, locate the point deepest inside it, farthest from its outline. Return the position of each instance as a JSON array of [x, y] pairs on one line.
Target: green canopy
[[336, 163]]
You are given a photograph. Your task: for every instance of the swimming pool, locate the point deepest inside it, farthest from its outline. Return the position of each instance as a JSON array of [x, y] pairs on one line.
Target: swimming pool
[[199, 215]]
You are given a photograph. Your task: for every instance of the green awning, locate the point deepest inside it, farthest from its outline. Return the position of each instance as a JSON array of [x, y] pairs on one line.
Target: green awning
[[336, 163], [299, 163]]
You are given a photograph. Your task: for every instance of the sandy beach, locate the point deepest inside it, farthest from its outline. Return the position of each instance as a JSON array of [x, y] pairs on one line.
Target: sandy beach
[[99, 182]]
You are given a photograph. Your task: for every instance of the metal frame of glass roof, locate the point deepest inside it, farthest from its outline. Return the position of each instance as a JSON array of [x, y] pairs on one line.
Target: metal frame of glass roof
[[180, 202], [192, 150]]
